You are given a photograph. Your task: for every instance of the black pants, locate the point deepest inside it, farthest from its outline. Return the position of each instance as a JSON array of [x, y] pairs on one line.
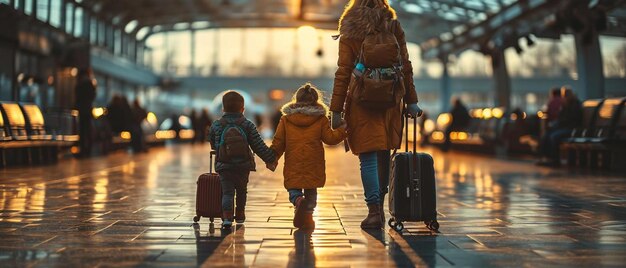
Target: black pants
[[84, 132]]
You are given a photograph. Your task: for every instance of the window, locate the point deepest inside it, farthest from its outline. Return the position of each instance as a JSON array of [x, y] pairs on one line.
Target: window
[[28, 6], [78, 21], [93, 32], [42, 10], [69, 17], [55, 12]]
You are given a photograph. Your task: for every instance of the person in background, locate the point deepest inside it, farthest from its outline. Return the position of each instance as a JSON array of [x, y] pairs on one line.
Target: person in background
[[555, 102], [204, 123], [85, 94], [193, 116], [138, 140], [569, 118], [276, 119], [460, 119]]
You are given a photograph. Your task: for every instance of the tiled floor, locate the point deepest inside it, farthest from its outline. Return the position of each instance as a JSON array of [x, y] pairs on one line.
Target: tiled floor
[[126, 210]]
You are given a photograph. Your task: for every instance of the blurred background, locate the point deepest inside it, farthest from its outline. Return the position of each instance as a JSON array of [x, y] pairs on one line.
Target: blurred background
[[166, 62]]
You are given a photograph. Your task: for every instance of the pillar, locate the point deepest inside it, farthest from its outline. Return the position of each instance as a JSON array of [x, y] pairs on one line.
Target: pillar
[[192, 62], [216, 48], [501, 79], [446, 92], [589, 66]]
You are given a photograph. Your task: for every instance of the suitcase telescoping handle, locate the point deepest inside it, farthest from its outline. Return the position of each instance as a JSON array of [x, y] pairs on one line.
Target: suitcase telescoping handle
[[406, 130], [213, 152]]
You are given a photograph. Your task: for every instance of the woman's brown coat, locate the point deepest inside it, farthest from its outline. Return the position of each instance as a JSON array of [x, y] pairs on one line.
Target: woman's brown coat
[[299, 135], [369, 130]]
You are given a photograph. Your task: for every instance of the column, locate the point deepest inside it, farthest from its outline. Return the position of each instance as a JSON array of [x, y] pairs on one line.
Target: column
[[192, 62], [589, 66], [446, 92], [501, 79]]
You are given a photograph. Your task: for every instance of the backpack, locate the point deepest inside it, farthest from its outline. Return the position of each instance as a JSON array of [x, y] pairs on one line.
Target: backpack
[[380, 84], [233, 147]]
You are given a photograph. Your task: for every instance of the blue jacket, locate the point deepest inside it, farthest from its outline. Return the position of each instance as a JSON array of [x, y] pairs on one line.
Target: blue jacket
[[255, 141]]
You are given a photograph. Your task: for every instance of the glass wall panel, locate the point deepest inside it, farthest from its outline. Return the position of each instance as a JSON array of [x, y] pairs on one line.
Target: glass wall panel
[[69, 18], [42, 10], [55, 12], [78, 22], [28, 6]]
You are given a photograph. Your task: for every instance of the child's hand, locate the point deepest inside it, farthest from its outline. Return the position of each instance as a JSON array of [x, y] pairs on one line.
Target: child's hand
[[271, 166]]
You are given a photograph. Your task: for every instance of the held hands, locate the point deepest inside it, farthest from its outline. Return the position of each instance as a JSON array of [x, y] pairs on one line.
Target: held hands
[[272, 166], [414, 111]]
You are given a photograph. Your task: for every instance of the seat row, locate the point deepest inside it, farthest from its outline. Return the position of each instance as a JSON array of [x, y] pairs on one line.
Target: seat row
[[25, 138], [601, 141]]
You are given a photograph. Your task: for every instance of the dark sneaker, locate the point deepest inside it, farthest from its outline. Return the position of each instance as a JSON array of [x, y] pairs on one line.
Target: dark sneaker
[[227, 219], [300, 214]]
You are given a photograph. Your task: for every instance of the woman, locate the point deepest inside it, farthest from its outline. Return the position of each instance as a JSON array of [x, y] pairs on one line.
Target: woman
[[371, 133]]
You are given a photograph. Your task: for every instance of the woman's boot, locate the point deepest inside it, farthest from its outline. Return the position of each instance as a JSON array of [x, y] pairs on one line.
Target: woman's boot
[[373, 219]]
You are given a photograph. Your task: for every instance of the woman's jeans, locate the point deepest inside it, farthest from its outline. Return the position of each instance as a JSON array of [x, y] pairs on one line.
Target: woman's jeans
[[375, 175], [309, 194]]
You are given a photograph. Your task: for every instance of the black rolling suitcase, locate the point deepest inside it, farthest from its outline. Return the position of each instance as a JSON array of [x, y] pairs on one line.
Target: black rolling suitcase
[[412, 192]]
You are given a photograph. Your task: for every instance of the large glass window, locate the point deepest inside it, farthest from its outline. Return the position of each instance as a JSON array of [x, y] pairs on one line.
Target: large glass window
[[117, 48], [69, 17], [93, 32], [55, 12], [78, 22], [42, 10], [28, 6]]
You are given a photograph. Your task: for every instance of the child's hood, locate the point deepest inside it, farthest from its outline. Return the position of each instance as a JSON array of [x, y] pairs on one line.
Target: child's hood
[[303, 115]]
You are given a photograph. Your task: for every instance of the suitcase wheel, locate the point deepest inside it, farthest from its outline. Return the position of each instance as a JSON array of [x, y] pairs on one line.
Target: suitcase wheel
[[211, 219], [196, 218], [433, 225], [398, 226]]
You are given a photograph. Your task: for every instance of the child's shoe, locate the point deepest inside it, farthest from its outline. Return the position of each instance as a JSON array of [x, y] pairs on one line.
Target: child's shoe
[[240, 215], [309, 223], [301, 211], [227, 219]]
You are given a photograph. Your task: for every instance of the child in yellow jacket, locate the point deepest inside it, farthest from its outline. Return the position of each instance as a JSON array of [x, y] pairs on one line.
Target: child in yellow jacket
[[303, 128]]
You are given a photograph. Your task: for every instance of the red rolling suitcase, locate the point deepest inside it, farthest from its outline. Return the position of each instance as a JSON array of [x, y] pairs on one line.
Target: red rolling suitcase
[[209, 195], [412, 191]]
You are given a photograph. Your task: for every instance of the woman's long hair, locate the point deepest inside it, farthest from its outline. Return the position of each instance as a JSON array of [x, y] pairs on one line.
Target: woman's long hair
[[370, 4]]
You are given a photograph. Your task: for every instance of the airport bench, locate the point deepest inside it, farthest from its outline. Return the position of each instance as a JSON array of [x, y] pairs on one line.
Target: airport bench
[[601, 142], [25, 139]]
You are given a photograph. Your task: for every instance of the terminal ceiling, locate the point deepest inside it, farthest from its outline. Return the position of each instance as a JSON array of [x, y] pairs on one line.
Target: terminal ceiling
[[441, 27]]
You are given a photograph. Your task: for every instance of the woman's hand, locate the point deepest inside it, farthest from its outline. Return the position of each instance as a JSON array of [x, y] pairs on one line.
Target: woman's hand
[[336, 120], [414, 111]]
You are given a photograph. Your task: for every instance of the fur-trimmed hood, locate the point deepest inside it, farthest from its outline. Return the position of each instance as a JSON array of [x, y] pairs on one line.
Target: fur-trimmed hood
[[303, 115], [358, 22]]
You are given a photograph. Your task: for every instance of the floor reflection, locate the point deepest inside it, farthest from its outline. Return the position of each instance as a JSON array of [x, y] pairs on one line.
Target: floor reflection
[[136, 210], [303, 254], [207, 242]]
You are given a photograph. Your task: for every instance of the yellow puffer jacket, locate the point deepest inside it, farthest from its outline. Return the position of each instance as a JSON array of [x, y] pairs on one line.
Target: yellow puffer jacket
[[300, 135]]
